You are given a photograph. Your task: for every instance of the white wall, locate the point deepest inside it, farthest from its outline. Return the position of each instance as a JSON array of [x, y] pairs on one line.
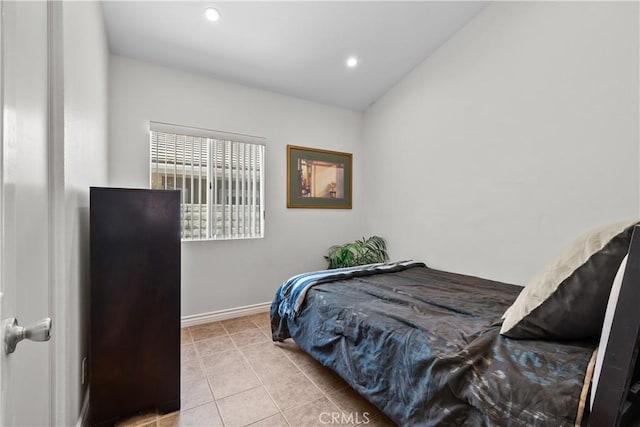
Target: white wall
[[517, 135], [86, 58], [225, 274]]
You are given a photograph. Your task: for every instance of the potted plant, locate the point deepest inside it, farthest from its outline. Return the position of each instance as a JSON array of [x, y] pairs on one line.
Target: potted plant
[[368, 250]]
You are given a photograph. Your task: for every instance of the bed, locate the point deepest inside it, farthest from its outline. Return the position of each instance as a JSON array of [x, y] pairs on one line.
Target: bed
[[424, 346]]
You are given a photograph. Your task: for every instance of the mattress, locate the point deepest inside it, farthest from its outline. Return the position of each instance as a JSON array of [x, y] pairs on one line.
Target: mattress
[[423, 345]]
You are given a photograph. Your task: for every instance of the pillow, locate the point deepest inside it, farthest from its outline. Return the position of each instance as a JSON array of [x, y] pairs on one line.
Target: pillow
[[567, 299], [606, 327]]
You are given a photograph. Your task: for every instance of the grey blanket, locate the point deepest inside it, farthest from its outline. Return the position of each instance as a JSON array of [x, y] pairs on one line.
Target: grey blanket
[[423, 345]]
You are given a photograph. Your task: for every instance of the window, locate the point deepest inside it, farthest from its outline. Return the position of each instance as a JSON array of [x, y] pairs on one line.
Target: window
[[220, 176]]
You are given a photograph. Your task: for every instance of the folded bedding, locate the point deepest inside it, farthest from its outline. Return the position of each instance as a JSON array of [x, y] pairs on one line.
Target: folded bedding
[[424, 346], [291, 294]]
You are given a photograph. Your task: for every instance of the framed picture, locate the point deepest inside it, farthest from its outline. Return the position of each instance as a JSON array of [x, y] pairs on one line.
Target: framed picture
[[318, 178]]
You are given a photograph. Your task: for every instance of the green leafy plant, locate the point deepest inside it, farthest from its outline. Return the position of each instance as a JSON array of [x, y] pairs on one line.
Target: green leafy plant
[[368, 250]]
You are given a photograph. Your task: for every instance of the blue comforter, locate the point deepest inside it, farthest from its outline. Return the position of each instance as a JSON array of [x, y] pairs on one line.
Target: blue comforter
[[291, 294], [424, 346]]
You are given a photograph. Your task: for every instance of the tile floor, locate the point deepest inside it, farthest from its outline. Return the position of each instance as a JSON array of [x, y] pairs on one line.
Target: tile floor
[[234, 375]]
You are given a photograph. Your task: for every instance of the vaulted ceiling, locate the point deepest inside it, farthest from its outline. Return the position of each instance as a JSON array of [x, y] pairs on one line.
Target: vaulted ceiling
[[294, 48]]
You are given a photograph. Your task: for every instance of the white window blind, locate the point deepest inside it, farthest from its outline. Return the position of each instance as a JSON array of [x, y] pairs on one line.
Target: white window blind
[[220, 176]]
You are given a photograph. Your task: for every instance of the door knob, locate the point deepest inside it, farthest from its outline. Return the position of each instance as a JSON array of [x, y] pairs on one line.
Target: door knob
[[13, 334]]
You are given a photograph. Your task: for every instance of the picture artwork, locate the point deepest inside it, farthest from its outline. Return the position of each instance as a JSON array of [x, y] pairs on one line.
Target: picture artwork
[[318, 178]]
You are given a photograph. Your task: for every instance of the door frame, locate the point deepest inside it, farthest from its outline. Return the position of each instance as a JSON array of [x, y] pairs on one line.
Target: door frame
[[58, 289], [2, 400]]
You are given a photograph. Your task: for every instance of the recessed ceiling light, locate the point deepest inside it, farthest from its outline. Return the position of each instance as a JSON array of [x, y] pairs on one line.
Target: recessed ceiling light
[[352, 62], [212, 14]]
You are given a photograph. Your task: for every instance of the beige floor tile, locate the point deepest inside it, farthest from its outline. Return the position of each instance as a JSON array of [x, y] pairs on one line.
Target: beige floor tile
[[327, 380], [273, 421], [250, 336], [228, 382], [187, 352], [205, 415], [213, 368], [270, 370], [292, 390], [268, 360], [267, 331], [261, 350], [213, 345], [319, 413], [297, 355], [238, 325], [190, 370], [208, 330], [195, 393], [234, 408], [223, 361], [185, 336], [261, 319]]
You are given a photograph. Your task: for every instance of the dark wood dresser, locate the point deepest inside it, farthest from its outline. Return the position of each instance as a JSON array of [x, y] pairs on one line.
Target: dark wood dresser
[[134, 353]]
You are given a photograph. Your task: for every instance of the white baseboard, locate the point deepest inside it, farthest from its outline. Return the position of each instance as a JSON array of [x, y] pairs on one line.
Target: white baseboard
[[231, 313], [82, 418]]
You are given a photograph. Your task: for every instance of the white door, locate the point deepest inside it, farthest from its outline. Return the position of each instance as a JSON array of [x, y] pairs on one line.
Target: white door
[[25, 167]]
